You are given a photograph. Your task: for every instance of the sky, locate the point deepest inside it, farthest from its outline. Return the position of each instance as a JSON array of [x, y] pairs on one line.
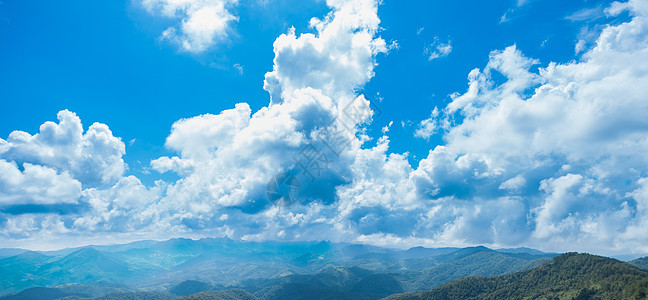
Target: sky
[[394, 123]]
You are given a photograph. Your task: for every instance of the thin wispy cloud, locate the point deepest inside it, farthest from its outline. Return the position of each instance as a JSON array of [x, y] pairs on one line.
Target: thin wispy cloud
[[438, 49]]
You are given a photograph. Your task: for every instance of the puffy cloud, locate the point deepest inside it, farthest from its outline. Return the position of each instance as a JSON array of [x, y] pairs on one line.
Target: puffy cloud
[[566, 143], [339, 58], [233, 155], [120, 208], [227, 159], [537, 158], [204, 23], [36, 185], [428, 127], [93, 158], [45, 178]]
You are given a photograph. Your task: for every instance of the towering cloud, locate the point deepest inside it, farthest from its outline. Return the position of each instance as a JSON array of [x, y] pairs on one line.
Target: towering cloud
[[229, 158]]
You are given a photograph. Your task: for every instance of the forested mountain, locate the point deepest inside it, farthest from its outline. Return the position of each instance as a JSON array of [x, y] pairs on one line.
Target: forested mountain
[[569, 276], [641, 263]]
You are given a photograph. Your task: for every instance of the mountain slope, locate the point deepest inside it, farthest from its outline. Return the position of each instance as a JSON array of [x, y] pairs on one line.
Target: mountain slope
[[221, 262], [189, 287], [641, 263], [376, 286], [569, 276], [39, 293], [297, 291], [8, 252], [87, 265], [19, 272], [233, 294], [467, 262]]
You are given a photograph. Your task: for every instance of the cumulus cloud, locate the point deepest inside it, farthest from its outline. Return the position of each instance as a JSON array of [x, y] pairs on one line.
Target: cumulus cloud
[[564, 142], [543, 157], [36, 184], [52, 172], [227, 159], [203, 23], [93, 157]]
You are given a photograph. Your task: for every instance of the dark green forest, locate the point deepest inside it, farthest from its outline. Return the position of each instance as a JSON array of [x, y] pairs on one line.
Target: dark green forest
[[569, 276]]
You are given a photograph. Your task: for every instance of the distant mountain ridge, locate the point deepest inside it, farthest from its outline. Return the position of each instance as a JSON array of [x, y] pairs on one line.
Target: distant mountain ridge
[[641, 263], [568, 276], [216, 264]]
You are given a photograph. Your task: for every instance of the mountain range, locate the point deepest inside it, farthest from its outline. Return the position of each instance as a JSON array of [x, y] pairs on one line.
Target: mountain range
[[227, 269]]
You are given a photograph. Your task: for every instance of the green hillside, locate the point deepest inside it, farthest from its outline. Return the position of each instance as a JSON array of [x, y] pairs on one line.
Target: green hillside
[[189, 287], [478, 262], [569, 276], [298, 291], [136, 296]]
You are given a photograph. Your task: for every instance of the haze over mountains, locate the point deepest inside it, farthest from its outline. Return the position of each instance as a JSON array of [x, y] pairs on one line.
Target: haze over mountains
[[253, 265], [265, 270]]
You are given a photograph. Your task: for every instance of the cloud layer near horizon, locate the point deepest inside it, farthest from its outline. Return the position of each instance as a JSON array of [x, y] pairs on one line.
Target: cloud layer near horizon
[[552, 158]]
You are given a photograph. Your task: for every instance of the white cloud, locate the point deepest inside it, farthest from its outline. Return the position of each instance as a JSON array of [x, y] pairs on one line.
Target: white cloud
[[36, 184], [545, 158], [513, 184], [587, 14], [238, 68], [438, 49], [516, 137], [93, 157], [126, 206], [228, 159], [429, 126], [203, 23]]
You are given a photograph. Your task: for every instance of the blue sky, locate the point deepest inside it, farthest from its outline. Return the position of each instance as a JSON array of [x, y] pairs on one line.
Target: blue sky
[[189, 138], [104, 61]]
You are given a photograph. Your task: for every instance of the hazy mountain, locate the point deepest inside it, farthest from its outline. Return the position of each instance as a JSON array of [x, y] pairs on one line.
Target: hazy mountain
[[86, 265], [189, 287], [641, 263], [7, 252], [92, 290], [445, 273], [569, 276], [232, 294], [474, 262], [298, 291], [521, 250], [134, 296], [20, 272], [105, 248], [39, 293], [376, 285], [213, 264]]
